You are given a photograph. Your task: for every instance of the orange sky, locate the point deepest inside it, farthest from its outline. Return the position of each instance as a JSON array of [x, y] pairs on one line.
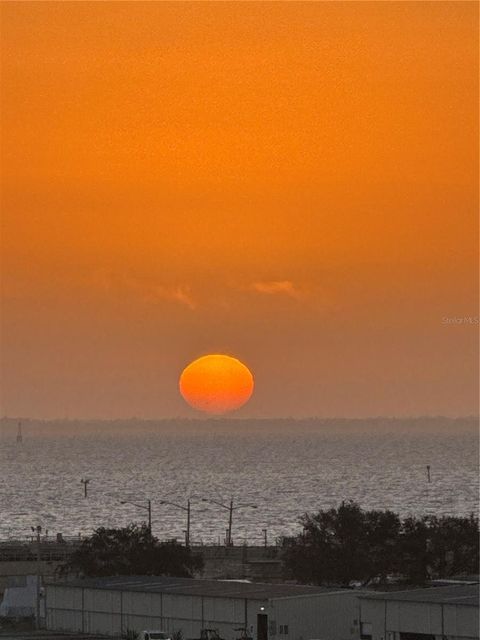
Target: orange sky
[[291, 183]]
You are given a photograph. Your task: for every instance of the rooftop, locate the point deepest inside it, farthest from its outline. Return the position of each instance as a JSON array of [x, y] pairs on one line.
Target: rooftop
[[454, 594], [194, 587]]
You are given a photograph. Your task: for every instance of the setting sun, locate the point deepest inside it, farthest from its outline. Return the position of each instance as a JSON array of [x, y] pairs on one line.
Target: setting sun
[[216, 384]]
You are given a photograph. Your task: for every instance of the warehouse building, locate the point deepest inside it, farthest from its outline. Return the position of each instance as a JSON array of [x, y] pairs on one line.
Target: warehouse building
[[112, 606], [421, 614]]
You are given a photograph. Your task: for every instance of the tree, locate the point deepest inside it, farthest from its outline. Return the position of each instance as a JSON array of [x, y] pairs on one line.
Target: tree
[[343, 544], [348, 544], [454, 545], [413, 550], [382, 534], [132, 550], [433, 547]]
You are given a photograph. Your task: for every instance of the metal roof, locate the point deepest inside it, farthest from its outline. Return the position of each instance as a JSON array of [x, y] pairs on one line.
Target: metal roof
[[454, 594], [195, 587]]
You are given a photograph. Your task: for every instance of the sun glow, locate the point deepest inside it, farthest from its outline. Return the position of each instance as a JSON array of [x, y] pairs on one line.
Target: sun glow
[[216, 384]]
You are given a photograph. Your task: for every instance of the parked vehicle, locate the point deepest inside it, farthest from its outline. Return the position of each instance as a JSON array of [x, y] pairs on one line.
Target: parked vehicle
[[154, 635], [208, 634]]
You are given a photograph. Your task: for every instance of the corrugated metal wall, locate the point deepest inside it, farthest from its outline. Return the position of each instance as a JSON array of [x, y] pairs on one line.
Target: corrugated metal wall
[[113, 612], [389, 618], [322, 617]]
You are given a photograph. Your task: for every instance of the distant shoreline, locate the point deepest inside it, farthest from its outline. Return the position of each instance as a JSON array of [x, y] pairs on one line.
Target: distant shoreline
[[235, 426]]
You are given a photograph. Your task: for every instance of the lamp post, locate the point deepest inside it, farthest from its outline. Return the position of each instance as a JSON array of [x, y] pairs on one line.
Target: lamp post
[[85, 482], [147, 508], [265, 540], [230, 508], [38, 531], [188, 510]]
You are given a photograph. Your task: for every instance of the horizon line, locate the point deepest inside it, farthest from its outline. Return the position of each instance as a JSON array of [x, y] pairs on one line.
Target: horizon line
[[218, 418]]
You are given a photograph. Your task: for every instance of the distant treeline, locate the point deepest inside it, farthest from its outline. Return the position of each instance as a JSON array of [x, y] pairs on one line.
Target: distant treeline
[[233, 424], [347, 544]]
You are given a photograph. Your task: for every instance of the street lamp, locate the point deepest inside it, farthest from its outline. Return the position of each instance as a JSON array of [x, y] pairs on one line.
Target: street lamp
[[147, 508], [230, 508], [38, 531], [85, 482], [187, 509]]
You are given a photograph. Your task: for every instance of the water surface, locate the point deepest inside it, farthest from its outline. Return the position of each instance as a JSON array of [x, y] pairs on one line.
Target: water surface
[[284, 467]]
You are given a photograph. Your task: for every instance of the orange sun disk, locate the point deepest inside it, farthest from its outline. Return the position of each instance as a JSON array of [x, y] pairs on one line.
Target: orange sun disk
[[216, 384]]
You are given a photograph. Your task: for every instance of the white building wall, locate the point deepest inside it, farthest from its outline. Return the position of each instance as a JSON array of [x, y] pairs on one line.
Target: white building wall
[[321, 617], [63, 608], [142, 611], [374, 612], [414, 617], [390, 618], [112, 612], [461, 621]]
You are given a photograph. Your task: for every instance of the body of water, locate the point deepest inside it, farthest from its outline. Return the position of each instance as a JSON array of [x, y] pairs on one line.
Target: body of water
[[284, 467]]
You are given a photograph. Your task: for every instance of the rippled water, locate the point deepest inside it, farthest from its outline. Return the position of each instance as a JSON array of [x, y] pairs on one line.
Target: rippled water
[[284, 467]]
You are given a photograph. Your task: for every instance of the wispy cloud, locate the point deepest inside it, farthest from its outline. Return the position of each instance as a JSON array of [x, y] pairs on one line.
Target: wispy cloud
[[178, 293], [145, 289], [279, 287]]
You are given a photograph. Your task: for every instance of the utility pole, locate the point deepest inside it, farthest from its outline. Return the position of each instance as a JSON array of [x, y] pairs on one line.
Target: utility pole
[[149, 507], [230, 518], [38, 531], [187, 535], [230, 508], [188, 510], [265, 542], [85, 484]]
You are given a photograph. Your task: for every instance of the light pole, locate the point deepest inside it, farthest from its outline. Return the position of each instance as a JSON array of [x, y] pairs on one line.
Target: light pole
[[188, 510], [265, 540], [147, 508], [230, 508], [85, 482], [38, 531]]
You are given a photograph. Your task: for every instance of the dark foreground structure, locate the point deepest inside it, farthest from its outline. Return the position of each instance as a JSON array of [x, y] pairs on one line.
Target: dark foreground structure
[[421, 614], [115, 605], [112, 606]]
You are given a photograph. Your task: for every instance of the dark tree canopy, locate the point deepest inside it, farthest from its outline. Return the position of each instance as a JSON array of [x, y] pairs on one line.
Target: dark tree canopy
[[132, 551], [341, 545], [433, 547], [346, 544]]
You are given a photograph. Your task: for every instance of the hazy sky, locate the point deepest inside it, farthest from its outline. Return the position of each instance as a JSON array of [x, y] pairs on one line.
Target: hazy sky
[[290, 183]]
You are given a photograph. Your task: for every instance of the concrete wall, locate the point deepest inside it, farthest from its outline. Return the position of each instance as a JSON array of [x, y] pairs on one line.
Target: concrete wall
[[262, 564], [390, 618], [113, 612]]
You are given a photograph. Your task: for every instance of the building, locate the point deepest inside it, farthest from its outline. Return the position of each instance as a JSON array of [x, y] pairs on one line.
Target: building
[[266, 611], [19, 559], [19, 598], [421, 614]]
